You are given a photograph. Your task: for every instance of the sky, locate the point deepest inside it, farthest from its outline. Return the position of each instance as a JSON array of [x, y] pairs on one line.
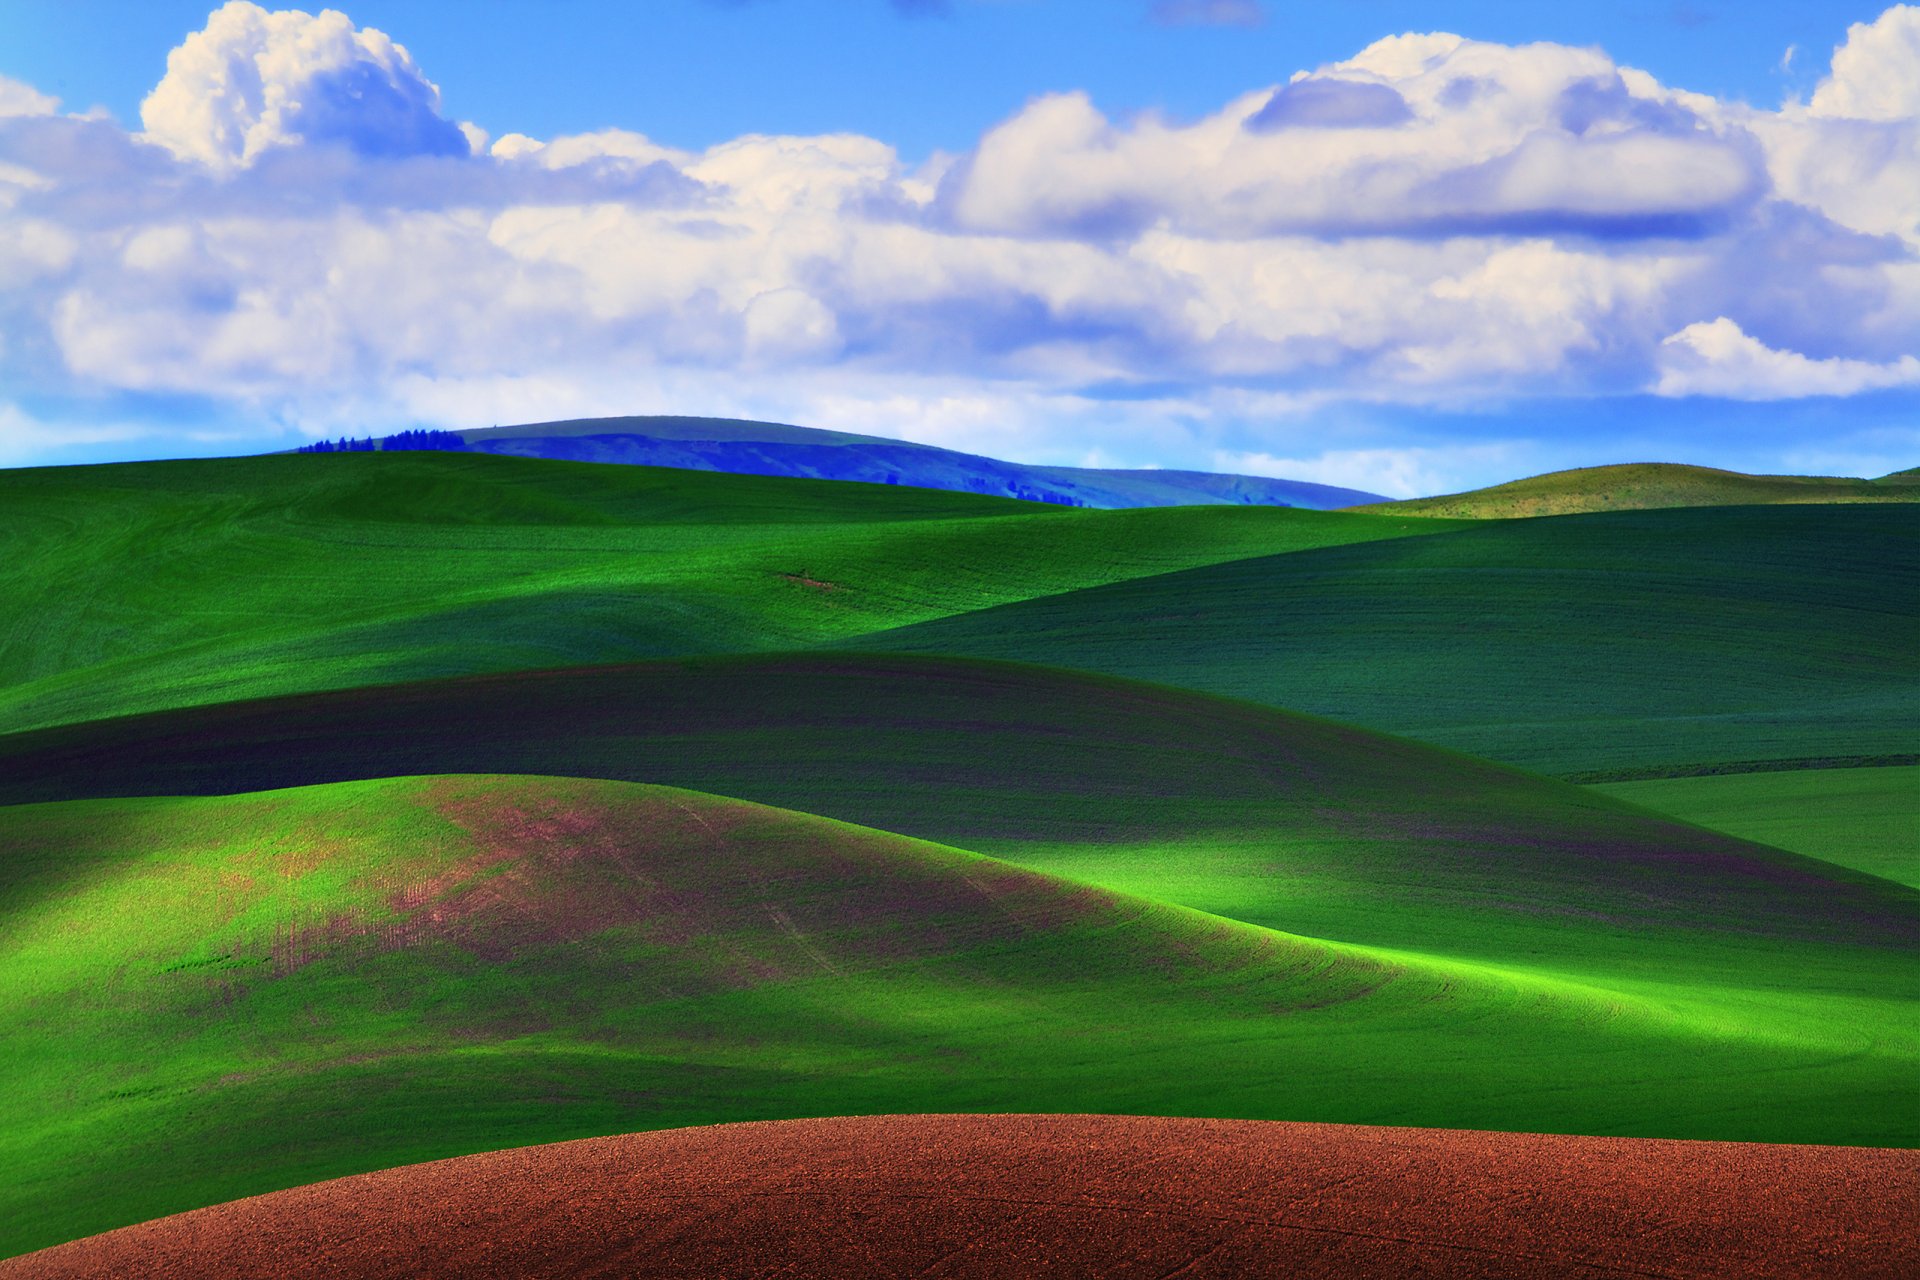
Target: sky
[[1406, 247]]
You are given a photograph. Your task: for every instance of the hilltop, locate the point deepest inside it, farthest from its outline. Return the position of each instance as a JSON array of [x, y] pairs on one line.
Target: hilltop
[[1641, 485], [746, 447]]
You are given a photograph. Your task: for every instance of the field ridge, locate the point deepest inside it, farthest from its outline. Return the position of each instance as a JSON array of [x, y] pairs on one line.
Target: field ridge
[[1648, 485]]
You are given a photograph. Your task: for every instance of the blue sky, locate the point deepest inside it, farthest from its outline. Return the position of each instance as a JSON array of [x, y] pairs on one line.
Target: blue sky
[[696, 72], [1085, 231]]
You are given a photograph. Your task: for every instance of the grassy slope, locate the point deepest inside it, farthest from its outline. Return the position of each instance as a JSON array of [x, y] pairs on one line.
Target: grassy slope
[[139, 586], [1867, 819], [1657, 641], [214, 997], [1278, 819], [1487, 949], [1640, 485]]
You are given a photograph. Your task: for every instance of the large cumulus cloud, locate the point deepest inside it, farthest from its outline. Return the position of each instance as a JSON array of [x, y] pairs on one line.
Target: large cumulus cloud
[[1417, 136], [254, 80], [1873, 72], [300, 234]]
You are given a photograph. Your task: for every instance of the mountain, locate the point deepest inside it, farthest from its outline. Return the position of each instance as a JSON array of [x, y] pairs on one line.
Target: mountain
[[775, 449], [1641, 485]]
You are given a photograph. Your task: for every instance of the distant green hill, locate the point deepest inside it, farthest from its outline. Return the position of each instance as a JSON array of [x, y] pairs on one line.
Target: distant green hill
[[1611, 645], [144, 585], [777, 449], [1640, 485], [1615, 645]]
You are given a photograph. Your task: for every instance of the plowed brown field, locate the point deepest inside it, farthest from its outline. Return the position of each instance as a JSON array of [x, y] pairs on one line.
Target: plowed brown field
[[1060, 1195]]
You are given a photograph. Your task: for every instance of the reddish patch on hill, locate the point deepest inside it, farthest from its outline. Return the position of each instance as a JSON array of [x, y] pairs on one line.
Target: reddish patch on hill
[[803, 580], [729, 895], [1060, 1195]]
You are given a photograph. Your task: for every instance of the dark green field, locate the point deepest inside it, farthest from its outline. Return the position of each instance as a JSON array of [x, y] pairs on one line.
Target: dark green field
[[364, 809], [1600, 647]]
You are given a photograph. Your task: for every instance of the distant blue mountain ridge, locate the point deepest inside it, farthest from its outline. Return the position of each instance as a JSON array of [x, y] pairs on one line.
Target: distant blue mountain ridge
[[776, 449]]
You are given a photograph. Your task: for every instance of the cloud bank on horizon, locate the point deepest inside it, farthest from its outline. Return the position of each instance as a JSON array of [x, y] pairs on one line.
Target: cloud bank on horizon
[[298, 234]]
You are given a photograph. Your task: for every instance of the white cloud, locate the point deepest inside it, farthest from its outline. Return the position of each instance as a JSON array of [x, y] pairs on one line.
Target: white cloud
[[1718, 358], [618, 146], [1865, 175], [515, 146], [778, 175], [789, 324], [26, 439], [1434, 222], [1414, 136], [18, 99], [253, 80], [33, 250], [1876, 73], [1392, 472], [1853, 152]]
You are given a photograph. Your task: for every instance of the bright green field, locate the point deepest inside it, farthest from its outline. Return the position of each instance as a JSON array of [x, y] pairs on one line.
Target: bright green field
[[138, 586], [1600, 646], [1868, 819], [368, 808], [1289, 821], [215, 997]]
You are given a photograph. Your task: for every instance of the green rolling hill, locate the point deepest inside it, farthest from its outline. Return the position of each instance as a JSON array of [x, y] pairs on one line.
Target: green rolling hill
[[365, 808], [148, 585], [1274, 818], [221, 996], [1640, 485], [1585, 646], [1600, 647]]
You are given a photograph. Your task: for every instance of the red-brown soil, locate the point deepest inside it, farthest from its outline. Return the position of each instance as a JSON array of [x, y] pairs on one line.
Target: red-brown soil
[[1060, 1195]]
